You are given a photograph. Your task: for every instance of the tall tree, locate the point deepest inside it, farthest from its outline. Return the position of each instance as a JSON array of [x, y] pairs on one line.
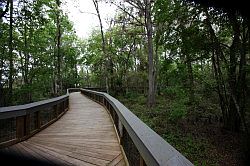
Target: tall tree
[[151, 76], [140, 14], [11, 66], [58, 86], [231, 90], [95, 2], [26, 53]]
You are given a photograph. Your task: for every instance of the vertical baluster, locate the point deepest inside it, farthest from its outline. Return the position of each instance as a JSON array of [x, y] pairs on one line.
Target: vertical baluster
[[20, 127], [109, 107], [27, 125], [56, 110], [38, 119], [68, 103], [63, 106], [142, 162], [120, 130]]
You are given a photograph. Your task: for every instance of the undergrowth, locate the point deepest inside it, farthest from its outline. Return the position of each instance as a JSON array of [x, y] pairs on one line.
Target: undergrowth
[[167, 118]]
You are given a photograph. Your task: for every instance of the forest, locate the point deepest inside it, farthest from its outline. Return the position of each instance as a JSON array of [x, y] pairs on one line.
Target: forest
[[181, 67]]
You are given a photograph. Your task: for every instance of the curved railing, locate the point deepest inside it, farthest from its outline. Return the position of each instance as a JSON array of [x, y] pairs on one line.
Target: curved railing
[[18, 123], [142, 146]]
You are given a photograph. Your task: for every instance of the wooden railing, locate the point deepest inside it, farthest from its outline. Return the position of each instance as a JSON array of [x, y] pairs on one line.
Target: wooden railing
[[18, 123], [99, 89], [142, 146]]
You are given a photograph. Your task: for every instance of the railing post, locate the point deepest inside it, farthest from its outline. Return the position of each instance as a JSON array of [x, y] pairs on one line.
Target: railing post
[[63, 106], [142, 162], [38, 119], [120, 128], [20, 127], [56, 110], [109, 107], [27, 125], [68, 103]]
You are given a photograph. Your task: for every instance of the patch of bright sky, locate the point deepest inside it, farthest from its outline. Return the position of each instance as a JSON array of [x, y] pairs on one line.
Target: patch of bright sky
[[83, 14]]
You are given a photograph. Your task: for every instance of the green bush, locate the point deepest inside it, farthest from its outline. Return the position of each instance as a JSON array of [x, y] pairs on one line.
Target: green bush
[[178, 110]]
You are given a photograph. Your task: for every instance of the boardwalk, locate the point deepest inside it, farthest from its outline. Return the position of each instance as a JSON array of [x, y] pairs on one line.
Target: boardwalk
[[83, 136]]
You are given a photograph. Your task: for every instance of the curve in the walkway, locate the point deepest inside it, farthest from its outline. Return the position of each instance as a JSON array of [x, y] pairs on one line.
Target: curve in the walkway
[[85, 135]]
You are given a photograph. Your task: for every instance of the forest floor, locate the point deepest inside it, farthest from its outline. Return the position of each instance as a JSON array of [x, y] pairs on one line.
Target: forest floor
[[202, 140]]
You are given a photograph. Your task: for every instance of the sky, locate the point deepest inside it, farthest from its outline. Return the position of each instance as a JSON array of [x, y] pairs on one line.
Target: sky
[[82, 14]]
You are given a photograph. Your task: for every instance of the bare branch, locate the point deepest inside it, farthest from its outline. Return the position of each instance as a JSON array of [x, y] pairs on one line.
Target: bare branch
[[124, 10]]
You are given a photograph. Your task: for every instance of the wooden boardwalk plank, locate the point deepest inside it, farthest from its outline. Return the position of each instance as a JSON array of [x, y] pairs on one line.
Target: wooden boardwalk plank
[[43, 155], [85, 135], [116, 160]]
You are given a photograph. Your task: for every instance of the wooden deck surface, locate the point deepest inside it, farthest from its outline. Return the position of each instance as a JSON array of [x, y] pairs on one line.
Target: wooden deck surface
[[85, 135]]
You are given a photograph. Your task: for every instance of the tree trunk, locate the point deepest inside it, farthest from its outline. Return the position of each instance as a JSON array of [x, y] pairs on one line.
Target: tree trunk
[[95, 2], [26, 58], [58, 53], [151, 79], [232, 97], [157, 39], [11, 68], [237, 88], [186, 59], [241, 93], [221, 87], [1, 77], [190, 79]]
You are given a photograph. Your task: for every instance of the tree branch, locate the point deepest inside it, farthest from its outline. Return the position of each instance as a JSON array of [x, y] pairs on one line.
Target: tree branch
[[128, 13]]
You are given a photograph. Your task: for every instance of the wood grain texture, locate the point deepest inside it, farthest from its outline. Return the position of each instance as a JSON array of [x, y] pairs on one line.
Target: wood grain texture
[[85, 135]]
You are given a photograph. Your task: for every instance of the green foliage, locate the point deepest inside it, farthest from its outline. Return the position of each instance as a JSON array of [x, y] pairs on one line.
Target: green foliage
[[178, 106], [178, 110], [190, 147], [34, 54], [198, 150]]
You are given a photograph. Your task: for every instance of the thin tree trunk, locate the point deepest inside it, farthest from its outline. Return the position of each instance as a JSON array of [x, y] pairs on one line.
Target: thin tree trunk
[[237, 88], [157, 38], [95, 2], [1, 77], [54, 72], [59, 57], [151, 79], [231, 96], [241, 93], [26, 58], [190, 80], [11, 68], [221, 87], [187, 60]]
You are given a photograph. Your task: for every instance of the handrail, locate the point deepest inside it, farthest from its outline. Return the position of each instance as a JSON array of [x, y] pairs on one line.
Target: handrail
[[18, 123], [141, 144], [20, 110], [99, 89]]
